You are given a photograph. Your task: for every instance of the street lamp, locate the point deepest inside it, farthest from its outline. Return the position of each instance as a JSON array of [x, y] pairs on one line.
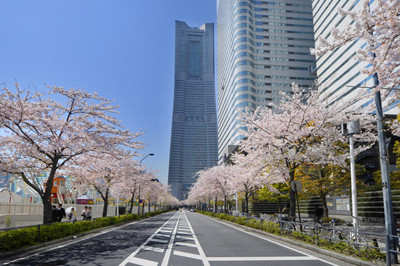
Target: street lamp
[[150, 154], [349, 129]]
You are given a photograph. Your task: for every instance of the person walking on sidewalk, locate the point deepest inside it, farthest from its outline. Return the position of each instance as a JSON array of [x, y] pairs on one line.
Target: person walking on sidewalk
[[60, 213], [72, 215], [89, 214]]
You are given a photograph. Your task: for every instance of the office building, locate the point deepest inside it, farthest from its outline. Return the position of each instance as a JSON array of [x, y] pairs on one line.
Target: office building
[[194, 121], [338, 71], [262, 47]]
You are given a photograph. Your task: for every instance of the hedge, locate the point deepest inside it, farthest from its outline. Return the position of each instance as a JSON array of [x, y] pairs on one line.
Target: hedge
[[29, 236]]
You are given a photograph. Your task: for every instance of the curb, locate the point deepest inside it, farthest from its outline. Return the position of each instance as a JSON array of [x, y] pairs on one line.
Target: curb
[[67, 239], [328, 253]]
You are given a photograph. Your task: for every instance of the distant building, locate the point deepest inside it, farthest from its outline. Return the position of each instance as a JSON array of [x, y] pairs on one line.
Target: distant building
[[262, 47], [194, 122]]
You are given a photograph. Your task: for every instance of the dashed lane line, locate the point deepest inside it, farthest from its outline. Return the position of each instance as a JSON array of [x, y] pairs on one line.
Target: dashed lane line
[[131, 258], [170, 245]]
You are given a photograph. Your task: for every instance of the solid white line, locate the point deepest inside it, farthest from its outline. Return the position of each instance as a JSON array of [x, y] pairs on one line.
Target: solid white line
[[201, 251], [171, 243], [185, 244], [260, 258], [131, 257], [187, 255], [266, 239]]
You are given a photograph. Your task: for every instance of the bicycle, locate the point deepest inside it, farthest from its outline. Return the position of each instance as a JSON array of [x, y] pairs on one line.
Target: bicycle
[[314, 227], [286, 223], [353, 238]]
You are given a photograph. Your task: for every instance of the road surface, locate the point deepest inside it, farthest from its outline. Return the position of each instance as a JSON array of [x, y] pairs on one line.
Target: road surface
[[174, 238]]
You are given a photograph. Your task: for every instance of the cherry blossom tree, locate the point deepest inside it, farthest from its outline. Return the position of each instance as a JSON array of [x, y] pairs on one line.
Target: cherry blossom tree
[[43, 131], [103, 172], [300, 129], [212, 182]]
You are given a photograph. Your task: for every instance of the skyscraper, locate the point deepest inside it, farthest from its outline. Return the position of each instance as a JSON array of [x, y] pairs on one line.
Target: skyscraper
[[338, 71], [262, 47], [194, 120]]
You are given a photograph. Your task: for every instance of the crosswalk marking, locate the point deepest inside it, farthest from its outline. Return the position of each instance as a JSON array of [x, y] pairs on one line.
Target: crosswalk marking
[[185, 244], [153, 249], [187, 255]]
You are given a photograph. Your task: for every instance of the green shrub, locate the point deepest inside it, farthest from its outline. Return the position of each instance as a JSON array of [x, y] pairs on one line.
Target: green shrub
[[8, 221]]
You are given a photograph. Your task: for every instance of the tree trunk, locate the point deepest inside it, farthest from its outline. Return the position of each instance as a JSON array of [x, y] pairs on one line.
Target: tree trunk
[[246, 202], [215, 204], [131, 203], [149, 205], [279, 205], [46, 196], [224, 203], [324, 205], [138, 206], [292, 196], [105, 207]]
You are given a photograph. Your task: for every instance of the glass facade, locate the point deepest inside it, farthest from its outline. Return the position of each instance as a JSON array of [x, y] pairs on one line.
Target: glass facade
[[194, 120], [338, 71], [262, 47]]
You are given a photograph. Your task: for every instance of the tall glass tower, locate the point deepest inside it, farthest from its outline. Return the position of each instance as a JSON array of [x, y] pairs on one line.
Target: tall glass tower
[[262, 47], [194, 120]]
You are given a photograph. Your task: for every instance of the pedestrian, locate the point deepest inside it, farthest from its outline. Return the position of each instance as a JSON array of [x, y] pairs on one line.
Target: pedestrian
[[60, 213], [84, 212], [89, 214], [54, 214], [72, 215]]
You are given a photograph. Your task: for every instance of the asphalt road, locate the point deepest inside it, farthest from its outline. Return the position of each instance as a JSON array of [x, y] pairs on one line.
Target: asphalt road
[[174, 238]]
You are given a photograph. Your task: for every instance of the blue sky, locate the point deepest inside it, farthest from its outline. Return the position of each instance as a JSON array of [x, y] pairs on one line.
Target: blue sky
[[122, 49]]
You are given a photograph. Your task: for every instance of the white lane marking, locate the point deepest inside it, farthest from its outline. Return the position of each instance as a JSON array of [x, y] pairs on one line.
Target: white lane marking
[[143, 262], [163, 235], [187, 255], [131, 257], [201, 251], [260, 258], [184, 233], [279, 244], [158, 240], [73, 242], [165, 231], [185, 244], [185, 237], [154, 249], [182, 229], [171, 243]]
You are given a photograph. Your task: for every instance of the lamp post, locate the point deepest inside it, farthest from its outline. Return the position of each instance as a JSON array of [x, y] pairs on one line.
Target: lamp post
[[349, 129], [150, 154]]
